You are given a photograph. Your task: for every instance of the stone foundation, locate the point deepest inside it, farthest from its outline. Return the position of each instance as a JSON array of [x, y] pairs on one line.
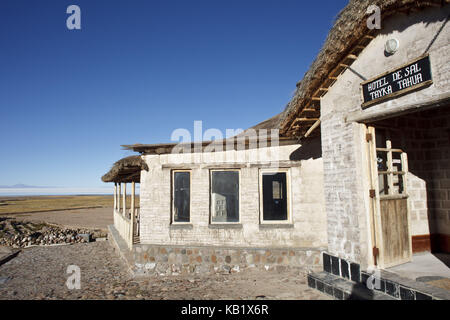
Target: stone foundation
[[146, 259], [175, 260]]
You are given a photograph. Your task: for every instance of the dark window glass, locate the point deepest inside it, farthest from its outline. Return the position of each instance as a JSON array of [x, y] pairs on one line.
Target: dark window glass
[[181, 196], [274, 196], [225, 196]]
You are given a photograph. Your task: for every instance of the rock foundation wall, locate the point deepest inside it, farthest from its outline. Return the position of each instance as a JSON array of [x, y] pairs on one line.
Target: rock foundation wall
[[169, 260]]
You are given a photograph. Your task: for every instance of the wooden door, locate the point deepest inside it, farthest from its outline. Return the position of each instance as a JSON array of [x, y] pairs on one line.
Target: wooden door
[[395, 234], [390, 166]]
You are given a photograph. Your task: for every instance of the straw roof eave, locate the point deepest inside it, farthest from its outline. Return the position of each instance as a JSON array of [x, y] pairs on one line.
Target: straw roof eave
[[126, 170]]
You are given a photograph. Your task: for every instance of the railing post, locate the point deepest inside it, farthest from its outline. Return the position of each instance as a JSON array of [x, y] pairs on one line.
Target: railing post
[[118, 196], [124, 199], [132, 213], [115, 195]]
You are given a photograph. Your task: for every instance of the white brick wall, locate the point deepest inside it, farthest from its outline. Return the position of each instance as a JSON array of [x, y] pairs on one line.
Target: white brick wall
[[309, 222]]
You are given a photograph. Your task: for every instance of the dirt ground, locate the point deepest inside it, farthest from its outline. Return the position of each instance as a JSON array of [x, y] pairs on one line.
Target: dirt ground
[[41, 273], [95, 218]]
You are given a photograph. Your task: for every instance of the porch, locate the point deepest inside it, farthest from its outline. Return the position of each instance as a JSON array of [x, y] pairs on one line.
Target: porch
[[126, 210], [126, 219]]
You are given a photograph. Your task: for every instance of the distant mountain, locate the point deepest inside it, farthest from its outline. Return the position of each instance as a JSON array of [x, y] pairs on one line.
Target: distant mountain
[[23, 186]]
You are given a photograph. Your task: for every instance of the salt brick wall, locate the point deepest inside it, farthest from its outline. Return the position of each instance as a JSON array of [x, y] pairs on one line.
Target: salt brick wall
[[425, 136], [342, 140], [309, 222]]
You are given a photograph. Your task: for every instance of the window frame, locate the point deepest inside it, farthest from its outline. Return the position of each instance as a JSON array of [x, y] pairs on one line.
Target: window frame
[[288, 195], [172, 198], [211, 222]]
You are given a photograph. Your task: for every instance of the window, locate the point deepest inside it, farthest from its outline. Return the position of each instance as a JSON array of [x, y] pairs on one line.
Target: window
[[181, 185], [224, 196], [274, 194]]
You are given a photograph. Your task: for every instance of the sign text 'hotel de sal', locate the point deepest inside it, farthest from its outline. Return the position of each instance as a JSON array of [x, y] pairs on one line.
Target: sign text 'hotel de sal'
[[412, 76]]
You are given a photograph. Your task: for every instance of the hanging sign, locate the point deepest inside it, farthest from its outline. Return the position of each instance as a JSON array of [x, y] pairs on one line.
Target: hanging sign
[[410, 77]]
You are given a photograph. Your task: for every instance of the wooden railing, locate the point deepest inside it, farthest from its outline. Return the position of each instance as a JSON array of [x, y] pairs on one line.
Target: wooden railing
[[123, 226], [126, 220]]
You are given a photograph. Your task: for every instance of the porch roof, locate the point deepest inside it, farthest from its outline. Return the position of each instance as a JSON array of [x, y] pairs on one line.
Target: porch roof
[[126, 170]]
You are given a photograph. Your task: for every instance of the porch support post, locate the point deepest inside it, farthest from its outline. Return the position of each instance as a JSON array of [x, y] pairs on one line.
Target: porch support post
[[115, 195], [124, 199], [132, 212], [118, 196]]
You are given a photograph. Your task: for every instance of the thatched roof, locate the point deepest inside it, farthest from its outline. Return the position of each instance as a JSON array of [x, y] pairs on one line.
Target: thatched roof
[[164, 148], [272, 123], [348, 37], [126, 170], [192, 147]]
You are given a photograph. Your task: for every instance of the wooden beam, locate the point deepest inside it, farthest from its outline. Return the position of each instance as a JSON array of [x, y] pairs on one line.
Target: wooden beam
[[315, 98], [278, 164], [133, 177], [313, 127], [391, 150], [308, 103], [352, 56], [392, 172], [309, 110], [305, 119]]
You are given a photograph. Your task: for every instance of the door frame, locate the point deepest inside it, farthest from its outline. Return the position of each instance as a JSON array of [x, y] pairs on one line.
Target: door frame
[[378, 251]]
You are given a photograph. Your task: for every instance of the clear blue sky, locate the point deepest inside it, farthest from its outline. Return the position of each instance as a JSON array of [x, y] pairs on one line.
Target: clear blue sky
[[136, 71]]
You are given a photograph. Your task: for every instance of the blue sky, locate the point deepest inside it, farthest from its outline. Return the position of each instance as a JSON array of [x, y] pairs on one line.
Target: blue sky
[[136, 71]]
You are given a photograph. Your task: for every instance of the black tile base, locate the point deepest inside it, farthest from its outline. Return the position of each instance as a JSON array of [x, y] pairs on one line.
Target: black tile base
[[335, 266], [345, 270], [320, 286], [355, 271], [338, 294], [406, 294], [392, 289], [328, 289], [364, 277], [421, 296]]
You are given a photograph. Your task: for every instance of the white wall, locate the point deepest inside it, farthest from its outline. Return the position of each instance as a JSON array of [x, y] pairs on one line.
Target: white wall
[[309, 222]]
